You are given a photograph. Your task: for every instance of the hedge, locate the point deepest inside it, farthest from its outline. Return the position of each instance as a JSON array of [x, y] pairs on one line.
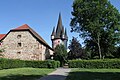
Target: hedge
[[14, 63], [98, 64], [43, 64], [10, 63]]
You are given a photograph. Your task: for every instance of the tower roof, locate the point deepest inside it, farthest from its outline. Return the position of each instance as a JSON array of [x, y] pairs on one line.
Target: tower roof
[[66, 34], [60, 32], [53, 32], [59, 27]]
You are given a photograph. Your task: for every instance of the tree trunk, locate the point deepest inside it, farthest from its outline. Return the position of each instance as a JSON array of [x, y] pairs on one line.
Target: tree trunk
[[99, 48]]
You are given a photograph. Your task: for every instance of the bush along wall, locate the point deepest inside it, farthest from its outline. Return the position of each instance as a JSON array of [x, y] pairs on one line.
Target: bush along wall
[[13, 63], [98, 64], [42, 64], [10, 63]]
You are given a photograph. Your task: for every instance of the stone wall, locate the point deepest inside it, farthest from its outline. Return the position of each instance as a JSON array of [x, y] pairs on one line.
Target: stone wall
[[22, 45]]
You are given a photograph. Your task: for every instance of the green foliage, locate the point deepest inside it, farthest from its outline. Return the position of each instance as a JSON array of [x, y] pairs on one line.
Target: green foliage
[[98, 64], [12, 63], [117, 53], [60, 54], [97, 21], [42, 64], [76, 50]]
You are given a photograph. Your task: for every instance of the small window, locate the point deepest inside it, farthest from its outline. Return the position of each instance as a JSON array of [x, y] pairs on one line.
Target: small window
[[19, 52], [19, 36], [19, 45]]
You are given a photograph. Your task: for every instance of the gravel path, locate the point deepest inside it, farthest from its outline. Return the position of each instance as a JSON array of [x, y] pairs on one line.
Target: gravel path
[[59, 74]]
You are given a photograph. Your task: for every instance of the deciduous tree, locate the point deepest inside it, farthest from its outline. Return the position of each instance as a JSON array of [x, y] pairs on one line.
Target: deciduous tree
[[75, 48], [97, 21], [60, 54]]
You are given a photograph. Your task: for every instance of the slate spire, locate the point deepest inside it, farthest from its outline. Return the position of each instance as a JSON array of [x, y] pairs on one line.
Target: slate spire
[[53, 32], [66, 34], [59, 27], [60, 32]]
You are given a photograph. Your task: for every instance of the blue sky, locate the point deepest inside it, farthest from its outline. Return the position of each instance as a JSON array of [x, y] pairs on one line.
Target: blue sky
[[41, 15]]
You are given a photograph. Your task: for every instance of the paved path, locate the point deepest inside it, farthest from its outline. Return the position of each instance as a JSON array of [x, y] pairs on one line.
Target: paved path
[[59, 74]]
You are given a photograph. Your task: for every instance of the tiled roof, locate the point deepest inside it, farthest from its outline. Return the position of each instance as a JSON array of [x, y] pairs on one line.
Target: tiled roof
[[26, 27], [23, 27], [2, 36]]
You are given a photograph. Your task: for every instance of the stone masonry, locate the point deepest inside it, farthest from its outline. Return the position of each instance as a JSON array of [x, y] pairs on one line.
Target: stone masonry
[[23, 45]]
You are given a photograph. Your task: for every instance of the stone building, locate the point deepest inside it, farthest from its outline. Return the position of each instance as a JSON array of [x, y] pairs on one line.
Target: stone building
[[25, 44], [60, 35]]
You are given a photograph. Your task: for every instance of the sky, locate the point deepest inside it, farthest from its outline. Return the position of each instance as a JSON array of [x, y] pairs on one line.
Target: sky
[[40, 15]]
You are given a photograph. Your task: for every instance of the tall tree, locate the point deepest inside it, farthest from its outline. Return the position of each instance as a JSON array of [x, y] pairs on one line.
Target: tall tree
[[76, 50], [60, 54], [97, 21]]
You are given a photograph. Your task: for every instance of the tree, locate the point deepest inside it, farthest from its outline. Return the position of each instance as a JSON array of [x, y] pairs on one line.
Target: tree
[[97, 21], [117, 53], [76, 50], [60, 54]]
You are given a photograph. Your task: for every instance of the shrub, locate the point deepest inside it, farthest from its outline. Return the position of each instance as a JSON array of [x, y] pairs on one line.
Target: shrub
[[10, 63], [42, 64], [14, 63], [107, 63]]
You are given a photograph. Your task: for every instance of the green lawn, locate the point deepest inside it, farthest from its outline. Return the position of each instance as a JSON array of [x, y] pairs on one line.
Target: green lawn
[[23, 73], [94, 74]]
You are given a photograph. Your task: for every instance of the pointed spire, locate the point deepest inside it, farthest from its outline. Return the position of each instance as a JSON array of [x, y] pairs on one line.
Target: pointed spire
[[53, 32], [66, 34], [63, 33], [59, 26], [59, 21]]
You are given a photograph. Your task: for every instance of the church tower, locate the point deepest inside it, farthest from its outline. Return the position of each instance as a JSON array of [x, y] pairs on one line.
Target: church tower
[[59, 36]]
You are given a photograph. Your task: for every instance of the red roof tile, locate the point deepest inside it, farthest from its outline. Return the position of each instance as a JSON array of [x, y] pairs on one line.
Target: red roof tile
[[2, 36], [23, 27]]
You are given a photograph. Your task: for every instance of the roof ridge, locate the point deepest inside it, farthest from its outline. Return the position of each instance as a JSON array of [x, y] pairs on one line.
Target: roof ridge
[[25, 26]]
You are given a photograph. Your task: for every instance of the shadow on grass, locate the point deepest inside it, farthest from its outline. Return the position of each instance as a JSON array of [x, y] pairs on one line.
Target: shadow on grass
[[79, 75], [21, 77], [33, 77], [54, 77]]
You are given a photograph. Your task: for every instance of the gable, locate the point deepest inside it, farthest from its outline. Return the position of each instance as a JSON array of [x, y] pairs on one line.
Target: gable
[[25, 27]]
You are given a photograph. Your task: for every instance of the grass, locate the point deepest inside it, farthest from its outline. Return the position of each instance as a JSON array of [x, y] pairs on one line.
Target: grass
[[94, 74], [23, 73]]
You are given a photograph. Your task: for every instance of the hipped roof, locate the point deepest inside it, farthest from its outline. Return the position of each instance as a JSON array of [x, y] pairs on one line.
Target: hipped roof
[[25, 27]]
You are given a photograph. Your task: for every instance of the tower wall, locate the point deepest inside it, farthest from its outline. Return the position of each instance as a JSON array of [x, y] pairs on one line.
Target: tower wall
[[57, 42]]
